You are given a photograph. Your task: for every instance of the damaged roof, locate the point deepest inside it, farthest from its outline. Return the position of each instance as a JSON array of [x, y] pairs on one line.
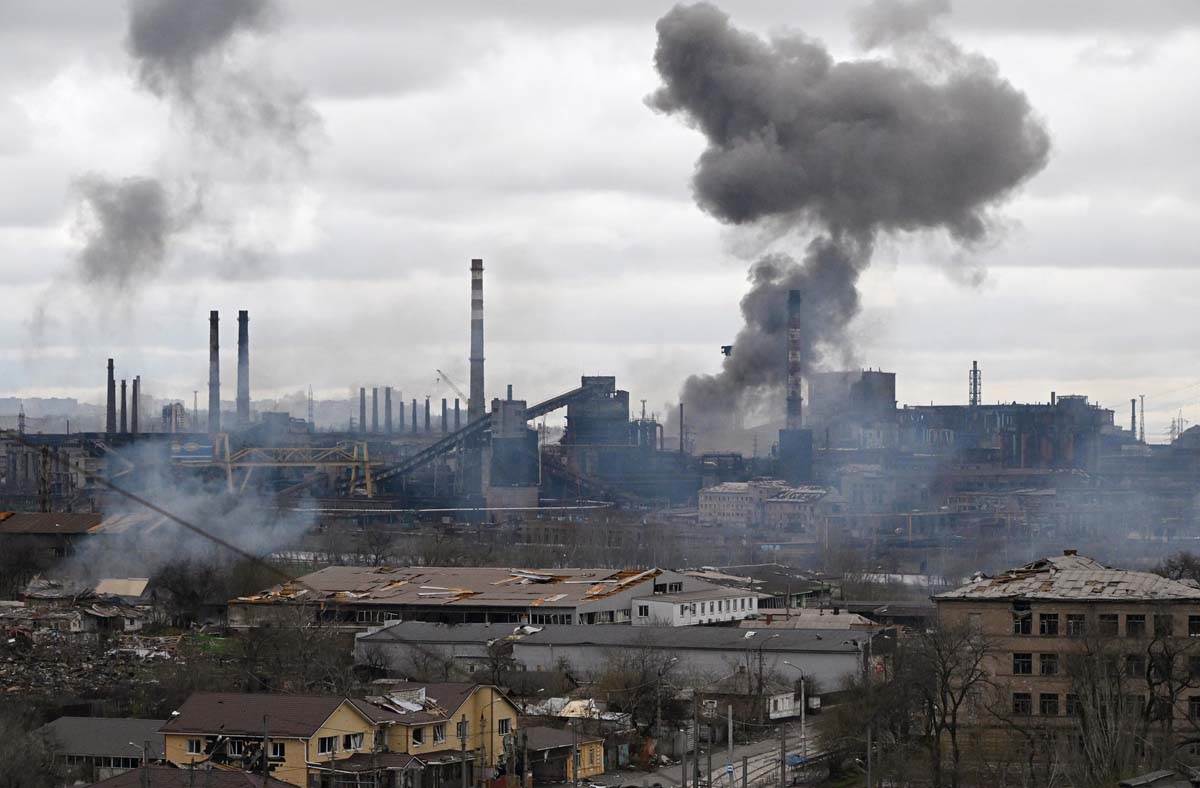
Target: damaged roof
[[1077, 578], [451, 585]]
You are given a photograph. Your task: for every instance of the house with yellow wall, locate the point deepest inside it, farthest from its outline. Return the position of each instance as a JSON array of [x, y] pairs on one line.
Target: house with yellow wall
[[414, 735]]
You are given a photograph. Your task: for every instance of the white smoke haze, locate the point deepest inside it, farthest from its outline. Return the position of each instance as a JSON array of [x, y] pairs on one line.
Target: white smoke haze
[[833, 155], [247, 519]]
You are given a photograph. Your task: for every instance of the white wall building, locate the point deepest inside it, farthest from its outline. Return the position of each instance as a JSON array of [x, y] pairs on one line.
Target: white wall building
[[690, 608]]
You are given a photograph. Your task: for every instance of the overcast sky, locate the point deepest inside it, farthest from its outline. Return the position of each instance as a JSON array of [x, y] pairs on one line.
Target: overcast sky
[[518, 132]]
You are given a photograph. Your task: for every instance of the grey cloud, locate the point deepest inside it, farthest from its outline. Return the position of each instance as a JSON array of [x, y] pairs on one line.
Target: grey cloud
[[885, 21]]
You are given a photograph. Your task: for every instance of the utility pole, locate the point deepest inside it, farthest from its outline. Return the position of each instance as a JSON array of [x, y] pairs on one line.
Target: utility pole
[[1142, 419], [745, 771], [782, 755], [266, 751], [462, 741], [525, 783], [729, 733], [695, 740], [870, 782]]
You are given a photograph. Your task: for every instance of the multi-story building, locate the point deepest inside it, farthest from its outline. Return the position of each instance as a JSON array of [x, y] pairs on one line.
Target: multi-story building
[[689, 608], [1068, 640], [760, 502], [431, 730]]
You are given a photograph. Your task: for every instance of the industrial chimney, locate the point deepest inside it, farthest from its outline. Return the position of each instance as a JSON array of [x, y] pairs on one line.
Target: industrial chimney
[[133, 409], [124, 422], [362, 409], [1133, 418], [475, 405], [214, 374], [243, 369], [795, 399], [110, 411]]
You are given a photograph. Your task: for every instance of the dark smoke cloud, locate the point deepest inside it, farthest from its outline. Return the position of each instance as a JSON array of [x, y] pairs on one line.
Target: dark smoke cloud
[[127, 224], [231, 118], [799, 142]]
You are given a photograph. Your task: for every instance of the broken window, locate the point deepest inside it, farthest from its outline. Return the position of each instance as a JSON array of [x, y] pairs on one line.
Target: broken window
[[1048, 624], [1107, 624], [418, 736], [1135, 626], [1022, 618], [352, 741], [1193, 626], [1076, 625], [439, 733]]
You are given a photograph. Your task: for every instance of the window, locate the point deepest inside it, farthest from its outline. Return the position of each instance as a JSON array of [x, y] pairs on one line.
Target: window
[[1048, 664], [1135, 626], [278, 750], [326, 744], [1193, 626], [1048, 624], [674, 588], [1194, 707], [1022, 703], [1076, 625], [1135, 665], [352, 741], [1022, 619], [1022, 664], [975, 622], [1107, 624], [1194, 665], [504, 726], [439, 733], [1072, 704], [591, 756], [418, 736], [1164, 625], [1048, 704], [462, 729], [193, 746], [643, 611], [237, 747]]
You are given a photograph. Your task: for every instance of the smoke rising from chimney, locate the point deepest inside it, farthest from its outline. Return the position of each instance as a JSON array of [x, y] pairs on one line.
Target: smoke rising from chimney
[[840, 151]]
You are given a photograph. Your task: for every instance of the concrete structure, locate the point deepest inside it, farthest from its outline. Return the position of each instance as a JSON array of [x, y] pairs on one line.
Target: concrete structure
[[691, 608], [243, 368], [214, 373], [826, 655], [357, 597], [1047, 624], [760, 503]]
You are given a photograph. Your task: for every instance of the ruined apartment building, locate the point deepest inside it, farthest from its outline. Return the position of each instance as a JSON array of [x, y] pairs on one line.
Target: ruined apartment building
[[770, 503], [1069, 639]]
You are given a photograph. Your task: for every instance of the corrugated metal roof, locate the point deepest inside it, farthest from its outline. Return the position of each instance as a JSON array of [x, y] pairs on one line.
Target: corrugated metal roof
[[1073, 577], [70, 523]]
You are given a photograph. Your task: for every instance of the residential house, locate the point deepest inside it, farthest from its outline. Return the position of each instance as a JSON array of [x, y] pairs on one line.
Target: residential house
[[550, 754], [95, 748]]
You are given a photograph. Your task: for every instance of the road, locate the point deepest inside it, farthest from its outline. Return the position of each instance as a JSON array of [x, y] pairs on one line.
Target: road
[[762, 762]]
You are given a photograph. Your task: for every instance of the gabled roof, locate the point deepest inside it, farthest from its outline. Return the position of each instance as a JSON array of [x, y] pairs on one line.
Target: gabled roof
[[167, 777], [292, 716], [439, 703], [1074, 577], [104, 736]]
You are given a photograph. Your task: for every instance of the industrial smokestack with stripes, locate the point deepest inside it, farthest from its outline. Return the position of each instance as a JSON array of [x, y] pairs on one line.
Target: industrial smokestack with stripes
[[795, 349], [475, 406]]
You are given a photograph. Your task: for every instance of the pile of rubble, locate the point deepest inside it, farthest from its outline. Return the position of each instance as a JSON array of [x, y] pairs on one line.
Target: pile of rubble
[[61, 664]]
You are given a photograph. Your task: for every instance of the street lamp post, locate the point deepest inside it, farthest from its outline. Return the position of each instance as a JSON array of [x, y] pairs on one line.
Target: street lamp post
[[803, 710]]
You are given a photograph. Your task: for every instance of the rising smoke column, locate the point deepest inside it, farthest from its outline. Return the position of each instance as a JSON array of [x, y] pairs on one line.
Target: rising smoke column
[[181, 50], [841, 151]]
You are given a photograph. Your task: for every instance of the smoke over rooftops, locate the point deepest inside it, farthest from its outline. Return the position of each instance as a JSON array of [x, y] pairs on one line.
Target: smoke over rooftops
[[800, 143]]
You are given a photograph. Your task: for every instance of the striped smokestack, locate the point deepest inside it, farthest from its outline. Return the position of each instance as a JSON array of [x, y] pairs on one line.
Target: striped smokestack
[[243, 369], [795, 339], [475, 405], [214, 373]]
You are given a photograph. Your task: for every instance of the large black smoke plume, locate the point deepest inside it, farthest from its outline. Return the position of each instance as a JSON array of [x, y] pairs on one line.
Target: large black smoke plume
[[238, 119], [842, 151]]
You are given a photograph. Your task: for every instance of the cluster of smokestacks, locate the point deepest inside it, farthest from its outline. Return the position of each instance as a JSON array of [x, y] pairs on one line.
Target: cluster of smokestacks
[[125, 420], [370, 423], [214, 370]]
